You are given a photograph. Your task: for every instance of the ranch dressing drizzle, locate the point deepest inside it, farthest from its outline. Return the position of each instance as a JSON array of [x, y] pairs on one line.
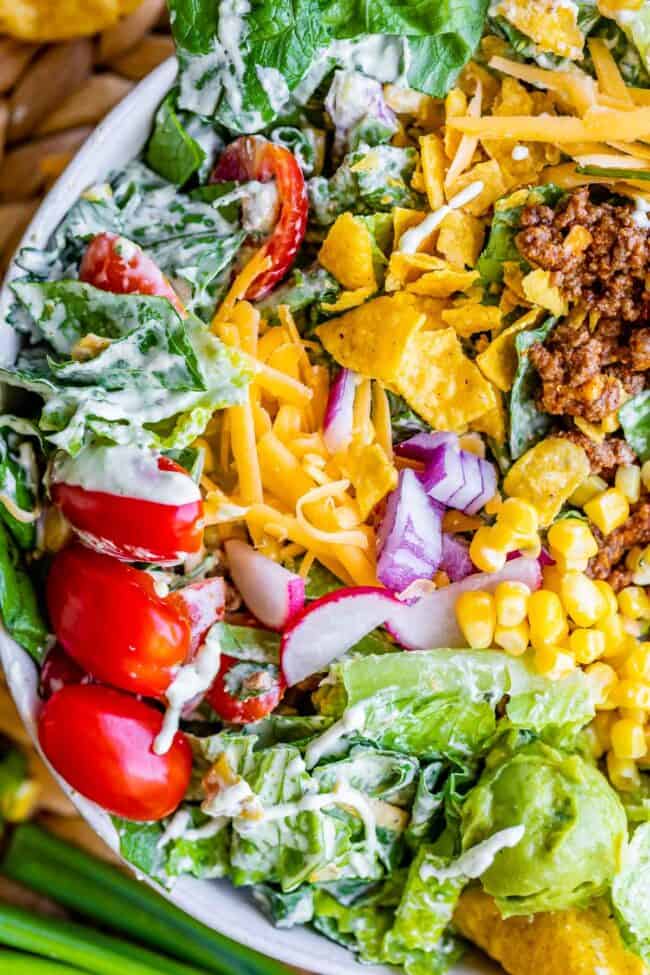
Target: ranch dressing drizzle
[[411, 241], [126, 472], [476, 860], [191, 680], [353, 719]]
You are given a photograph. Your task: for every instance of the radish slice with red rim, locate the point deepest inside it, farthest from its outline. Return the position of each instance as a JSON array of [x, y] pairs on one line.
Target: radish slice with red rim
[[430, 623], [272, 593], [330, 626]]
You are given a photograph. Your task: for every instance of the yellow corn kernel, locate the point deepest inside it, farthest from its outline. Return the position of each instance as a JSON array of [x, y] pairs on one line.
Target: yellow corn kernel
[[582, 599], [520, 516], [633, 602], [628, 481], [493, 505], [587, 645], [554, 662], [511, 603], [513, 639], [548, 624], [632, 694], [572, 539], [489, 548], [632, 557], [590, 487], [615, 635], [609, 596], [602, 725], [628, 739], [623, 773], [603, 681], [645, 475], [608, 510], [641, 575], [637, 663], [477, 618]]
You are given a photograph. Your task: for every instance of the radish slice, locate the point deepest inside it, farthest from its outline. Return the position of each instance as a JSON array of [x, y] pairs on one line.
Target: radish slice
[[422, 445], [337, 425], [410, 536], [330, 626], [455, 558], [272, 593], [430, 624]]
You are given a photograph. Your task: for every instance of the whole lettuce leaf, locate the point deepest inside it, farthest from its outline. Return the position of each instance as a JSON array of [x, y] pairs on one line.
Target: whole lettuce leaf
[[245, 64]]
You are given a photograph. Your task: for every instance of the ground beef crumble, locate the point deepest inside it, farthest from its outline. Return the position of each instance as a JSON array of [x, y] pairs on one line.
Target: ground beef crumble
[[589, 371], [609, 563]]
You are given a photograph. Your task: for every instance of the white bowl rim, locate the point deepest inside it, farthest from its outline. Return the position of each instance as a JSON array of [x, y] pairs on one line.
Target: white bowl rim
[[218, 904]]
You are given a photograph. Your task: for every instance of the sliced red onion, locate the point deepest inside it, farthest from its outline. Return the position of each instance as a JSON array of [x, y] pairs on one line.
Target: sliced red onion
[[443, 475], [489, 478], [410, 537], [339, 414], [421, 445], [472, 485], [455, 558]]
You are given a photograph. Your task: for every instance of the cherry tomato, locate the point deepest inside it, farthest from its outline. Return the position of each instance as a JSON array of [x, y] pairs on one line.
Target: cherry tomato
[[132, 528], [58, 671], [252, 157], [101, 741], [243, 692], [109, 619], [202, 604], [116, 264]]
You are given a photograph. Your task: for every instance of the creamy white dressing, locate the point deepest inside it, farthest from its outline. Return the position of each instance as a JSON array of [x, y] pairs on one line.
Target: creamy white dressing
[[208, 830], [234, 801], [260, 207], [275, 87], [520, 152], [640, 212], [476, 860], [342, 795], [353, 719], [175, 828], [127, 472], [411, 241], [190, 681]]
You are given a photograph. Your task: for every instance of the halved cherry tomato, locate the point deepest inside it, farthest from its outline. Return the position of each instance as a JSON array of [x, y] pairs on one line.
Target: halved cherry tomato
[[110, 620], [132, 528], [58, 671], [101, 741], [252, 157], [202, 604], [243, 692], [116, 264]]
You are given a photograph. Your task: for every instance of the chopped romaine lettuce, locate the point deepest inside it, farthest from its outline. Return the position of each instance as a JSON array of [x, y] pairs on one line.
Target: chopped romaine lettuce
[[631, 893], [634, 416], [171, 151], [19, 606], [528, 424], [19, 476], [246, 65]]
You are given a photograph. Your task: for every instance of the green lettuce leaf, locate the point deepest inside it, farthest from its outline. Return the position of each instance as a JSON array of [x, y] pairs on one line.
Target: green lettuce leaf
[[631, 893], [171, 151], [443, 702], [528, 424], [247, 70], [17, 481], [390, 776], [156, 384], [249, 643], [285, 910], [634, 416], [19, 606]]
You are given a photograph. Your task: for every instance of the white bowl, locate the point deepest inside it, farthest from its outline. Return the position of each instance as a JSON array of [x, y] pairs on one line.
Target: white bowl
[[217, 903]]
